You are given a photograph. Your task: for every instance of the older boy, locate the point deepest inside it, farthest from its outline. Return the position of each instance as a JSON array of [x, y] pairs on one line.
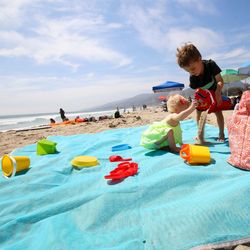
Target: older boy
[[204, 74]]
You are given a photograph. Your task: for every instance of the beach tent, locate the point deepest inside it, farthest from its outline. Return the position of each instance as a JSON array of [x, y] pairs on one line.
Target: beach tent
[[245, 68], [168, 86]]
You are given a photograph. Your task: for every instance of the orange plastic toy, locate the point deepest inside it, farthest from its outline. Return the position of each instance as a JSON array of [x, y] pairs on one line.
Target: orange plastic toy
[[194, 154]]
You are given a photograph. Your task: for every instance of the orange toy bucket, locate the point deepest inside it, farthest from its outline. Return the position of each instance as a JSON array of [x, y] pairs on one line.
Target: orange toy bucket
[[194, 154]]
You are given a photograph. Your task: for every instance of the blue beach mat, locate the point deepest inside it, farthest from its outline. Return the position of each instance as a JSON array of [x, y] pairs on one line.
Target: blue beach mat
[[167, 205]]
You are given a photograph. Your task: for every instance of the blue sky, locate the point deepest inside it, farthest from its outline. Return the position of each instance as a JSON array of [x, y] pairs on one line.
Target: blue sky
[[78, 54]]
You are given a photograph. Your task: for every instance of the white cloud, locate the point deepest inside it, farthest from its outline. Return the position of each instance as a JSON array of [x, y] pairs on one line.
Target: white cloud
[[58, 45], [13, 12], [202, 6], [63, 40], [148, 22], [204, 38], [16, 52], [231, 58], [159, 29]]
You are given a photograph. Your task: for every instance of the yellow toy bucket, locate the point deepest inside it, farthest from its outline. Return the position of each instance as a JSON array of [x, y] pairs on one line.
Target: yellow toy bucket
[[194, 154], [13, 164]]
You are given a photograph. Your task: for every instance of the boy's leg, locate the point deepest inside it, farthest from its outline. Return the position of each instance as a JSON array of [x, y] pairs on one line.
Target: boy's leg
[[198, 116], [220, 121], [200, 132]]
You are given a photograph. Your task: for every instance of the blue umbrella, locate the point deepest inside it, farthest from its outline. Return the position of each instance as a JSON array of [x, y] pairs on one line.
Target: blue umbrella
[[168, 86]]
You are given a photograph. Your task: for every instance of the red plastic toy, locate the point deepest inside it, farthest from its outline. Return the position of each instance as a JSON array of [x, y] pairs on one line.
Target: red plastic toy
[[207, 101], [123, 170], [114, 158]]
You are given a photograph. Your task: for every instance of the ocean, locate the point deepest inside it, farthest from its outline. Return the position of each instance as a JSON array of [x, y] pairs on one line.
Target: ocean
[[18, 122]]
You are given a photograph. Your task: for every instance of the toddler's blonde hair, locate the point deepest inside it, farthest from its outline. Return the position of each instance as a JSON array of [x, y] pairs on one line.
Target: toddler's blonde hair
[[173, 102]]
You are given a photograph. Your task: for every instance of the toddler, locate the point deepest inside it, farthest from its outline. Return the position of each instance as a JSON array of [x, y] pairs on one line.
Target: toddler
[[167, 133]]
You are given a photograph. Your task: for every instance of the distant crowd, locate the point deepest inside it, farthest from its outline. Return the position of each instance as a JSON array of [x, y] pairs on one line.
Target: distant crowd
[[78, 119]]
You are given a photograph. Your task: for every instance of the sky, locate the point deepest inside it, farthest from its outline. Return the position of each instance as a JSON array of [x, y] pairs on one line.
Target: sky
[[79, 54]]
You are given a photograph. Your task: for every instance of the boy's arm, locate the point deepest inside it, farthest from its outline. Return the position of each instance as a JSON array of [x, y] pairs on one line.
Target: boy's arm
[[220, 84]]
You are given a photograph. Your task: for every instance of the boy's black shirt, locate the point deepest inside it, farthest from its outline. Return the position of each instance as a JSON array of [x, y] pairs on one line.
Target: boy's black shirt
[[211, 69]]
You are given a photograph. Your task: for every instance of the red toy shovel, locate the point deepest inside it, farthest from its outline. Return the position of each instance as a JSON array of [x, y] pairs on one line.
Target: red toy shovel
[[114, 158], [123, 170]]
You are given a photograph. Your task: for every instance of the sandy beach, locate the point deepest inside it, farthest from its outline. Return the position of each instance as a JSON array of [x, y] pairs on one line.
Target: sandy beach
[[13, 139]]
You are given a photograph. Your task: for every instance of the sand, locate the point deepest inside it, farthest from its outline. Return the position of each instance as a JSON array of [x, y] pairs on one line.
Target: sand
[[13, 139]]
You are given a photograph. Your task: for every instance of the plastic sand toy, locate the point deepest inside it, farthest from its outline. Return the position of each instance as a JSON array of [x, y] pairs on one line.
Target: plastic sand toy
[[45, 147], [13, 164], [194, 154], [124, 170], [121, 147], [84, 161], [115, 158]]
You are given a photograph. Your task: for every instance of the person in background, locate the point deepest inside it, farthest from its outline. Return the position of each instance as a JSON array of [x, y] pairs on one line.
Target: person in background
[[239, 97], [167, 133], [204, 74], [63, 117], [52, 120], [164, 105], [117, 113]]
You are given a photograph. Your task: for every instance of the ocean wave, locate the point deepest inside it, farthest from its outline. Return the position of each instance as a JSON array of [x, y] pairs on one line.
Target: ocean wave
[[30, 121]]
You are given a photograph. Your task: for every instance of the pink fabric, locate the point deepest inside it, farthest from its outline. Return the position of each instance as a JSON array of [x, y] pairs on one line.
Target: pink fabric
[[239, 134]]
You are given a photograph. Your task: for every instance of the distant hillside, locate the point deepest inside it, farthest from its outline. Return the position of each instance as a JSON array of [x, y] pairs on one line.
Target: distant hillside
[[149, 99], [138, 100]]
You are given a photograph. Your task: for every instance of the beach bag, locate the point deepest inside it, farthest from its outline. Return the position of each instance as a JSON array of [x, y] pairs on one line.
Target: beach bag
[[239, 133]]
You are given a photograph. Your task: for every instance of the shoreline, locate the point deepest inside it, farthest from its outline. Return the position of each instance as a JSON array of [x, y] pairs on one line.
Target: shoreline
[[31, 121], [13, 139]]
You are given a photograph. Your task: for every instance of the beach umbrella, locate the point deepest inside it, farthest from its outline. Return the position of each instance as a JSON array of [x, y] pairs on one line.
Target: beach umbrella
[[233, 88], [232, 75], [168, 86], [245, 68]]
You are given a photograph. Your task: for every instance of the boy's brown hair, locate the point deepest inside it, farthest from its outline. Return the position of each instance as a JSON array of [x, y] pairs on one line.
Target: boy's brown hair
[[186, 54]]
